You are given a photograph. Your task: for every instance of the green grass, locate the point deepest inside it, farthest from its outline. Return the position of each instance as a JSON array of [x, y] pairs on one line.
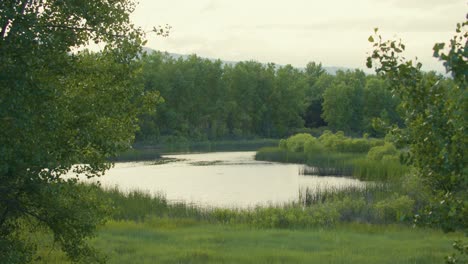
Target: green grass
[[162, 240]]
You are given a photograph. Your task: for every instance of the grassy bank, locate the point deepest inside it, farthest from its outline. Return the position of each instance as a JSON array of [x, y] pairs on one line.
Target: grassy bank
[[162, 240], [144, 151], [373, 204], [337, 164]]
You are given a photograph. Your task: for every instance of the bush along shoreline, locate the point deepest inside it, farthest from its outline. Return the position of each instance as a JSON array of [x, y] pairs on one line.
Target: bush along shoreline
[[334, 154]]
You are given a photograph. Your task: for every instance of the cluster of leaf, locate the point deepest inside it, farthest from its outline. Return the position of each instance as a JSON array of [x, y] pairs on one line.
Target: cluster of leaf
[[59, 108], [435, 112]]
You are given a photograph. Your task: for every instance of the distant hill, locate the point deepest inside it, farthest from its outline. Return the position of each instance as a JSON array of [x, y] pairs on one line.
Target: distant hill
[[331, 70]]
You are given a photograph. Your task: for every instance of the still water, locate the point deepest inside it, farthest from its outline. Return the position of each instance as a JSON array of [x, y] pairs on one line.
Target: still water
[[222, 179]]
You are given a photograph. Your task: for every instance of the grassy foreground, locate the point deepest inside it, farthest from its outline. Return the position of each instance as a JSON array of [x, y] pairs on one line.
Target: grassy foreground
[[327, 227], [162, 240]]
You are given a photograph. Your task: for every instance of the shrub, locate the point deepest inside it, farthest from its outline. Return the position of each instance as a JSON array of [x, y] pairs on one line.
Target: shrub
[[340, 143], [395, 208], [331, 141], [413, 185], [357, 145], [313, 147], [350, 208], [296, 142], [378, 152]]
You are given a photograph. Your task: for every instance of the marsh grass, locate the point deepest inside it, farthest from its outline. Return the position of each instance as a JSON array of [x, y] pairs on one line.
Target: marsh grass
[[165, 160], [326, 171], [371, 203], [207, 163], [337, 164], [390, 170]]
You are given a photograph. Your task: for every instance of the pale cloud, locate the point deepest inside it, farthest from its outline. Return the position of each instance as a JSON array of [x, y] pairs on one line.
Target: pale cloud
[[421, 24], [427, 4], [209, 7], [333, 32]]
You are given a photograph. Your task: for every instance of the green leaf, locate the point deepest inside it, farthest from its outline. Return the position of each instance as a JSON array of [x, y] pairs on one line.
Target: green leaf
[[369, 62]]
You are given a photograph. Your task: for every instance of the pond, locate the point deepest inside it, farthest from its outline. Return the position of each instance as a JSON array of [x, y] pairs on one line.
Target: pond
[[221, 179]]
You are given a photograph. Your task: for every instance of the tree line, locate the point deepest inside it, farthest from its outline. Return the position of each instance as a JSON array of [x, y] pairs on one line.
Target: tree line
[[210, 100]]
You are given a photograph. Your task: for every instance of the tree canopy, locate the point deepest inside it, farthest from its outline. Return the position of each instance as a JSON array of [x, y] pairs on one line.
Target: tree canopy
[[59, 108], [210, 100]]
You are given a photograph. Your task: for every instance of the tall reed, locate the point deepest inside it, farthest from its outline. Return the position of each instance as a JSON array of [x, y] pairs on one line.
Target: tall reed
[[371, 203]]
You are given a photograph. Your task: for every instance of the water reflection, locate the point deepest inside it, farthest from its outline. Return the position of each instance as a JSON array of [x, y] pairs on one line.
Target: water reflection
[[224, 179]]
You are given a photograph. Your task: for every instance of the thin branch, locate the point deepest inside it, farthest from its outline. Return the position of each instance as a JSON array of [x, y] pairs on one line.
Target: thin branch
[[9, 22], [4, 28], [78, 29]]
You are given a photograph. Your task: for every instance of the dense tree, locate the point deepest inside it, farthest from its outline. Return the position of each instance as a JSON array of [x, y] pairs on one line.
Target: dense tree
[[343, 101], [317, 81], [193, 92], [205, 99], [354, 102], [379, 105], [290, 100], [58, 109], [251, 98], [242, 85]]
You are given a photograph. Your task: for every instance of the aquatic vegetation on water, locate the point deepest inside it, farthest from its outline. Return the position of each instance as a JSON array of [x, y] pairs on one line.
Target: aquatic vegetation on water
[[207, 163]]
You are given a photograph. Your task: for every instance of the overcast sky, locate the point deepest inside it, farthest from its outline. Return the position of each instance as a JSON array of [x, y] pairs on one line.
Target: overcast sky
[[333, 32]]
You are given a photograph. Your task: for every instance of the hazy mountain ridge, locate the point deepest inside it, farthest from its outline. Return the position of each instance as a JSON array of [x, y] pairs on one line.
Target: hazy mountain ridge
[[329, 69]]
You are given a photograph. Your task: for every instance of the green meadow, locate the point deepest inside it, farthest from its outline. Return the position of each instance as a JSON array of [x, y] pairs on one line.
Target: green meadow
[[164, 240]]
